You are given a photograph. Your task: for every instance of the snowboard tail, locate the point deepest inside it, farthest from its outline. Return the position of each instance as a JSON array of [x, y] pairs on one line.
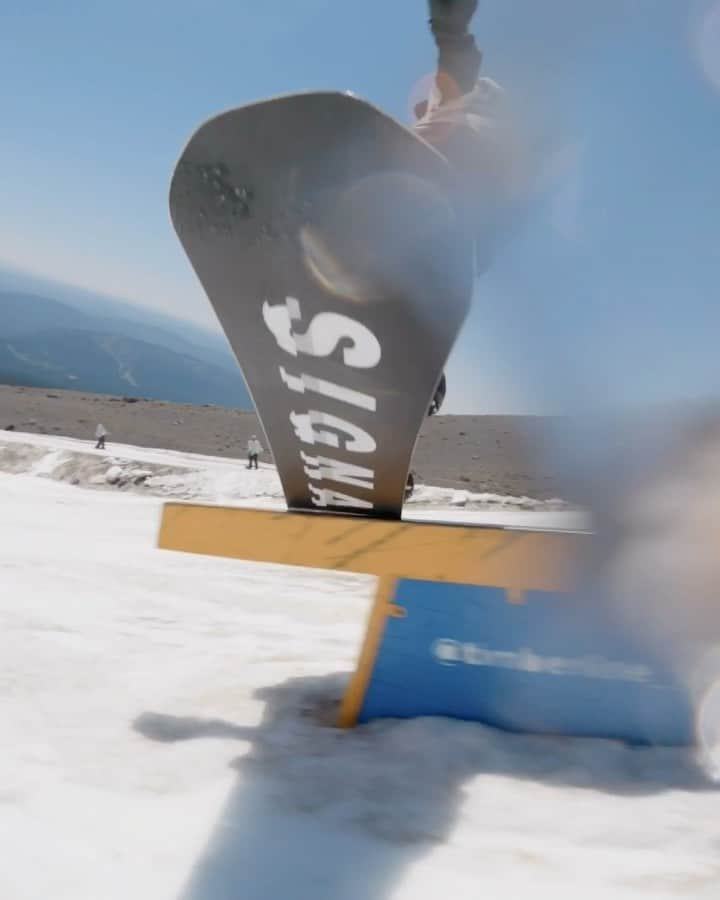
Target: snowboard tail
[[324, 238]]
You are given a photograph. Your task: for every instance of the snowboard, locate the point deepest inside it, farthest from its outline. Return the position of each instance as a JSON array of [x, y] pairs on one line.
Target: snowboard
[[323, 234]]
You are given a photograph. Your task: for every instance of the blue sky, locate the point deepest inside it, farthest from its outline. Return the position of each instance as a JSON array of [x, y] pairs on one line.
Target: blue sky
[[605, 295]]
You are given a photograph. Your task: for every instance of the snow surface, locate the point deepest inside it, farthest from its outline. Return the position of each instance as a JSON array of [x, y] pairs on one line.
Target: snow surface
[[166, 730], [213, 479]]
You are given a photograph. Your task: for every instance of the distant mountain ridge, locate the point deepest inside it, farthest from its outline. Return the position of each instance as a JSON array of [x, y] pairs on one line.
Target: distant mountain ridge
[[116, 365], [88, 346]]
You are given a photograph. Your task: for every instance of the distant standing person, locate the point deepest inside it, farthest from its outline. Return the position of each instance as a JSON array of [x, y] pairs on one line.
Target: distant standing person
[[254, 450], [100, 433]]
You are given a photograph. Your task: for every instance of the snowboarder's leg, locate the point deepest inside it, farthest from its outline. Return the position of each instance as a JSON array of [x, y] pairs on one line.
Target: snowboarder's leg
[[464, 118], [458, 55]]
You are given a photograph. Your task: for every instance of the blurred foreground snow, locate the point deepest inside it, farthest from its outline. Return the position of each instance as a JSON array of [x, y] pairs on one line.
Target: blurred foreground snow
[[166, 733]]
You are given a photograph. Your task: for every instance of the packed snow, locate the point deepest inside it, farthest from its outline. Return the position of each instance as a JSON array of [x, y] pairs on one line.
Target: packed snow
[[213, 479], [167, 725]]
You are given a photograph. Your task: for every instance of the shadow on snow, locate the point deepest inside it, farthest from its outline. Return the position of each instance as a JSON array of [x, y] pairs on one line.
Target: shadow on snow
[[324, 813]]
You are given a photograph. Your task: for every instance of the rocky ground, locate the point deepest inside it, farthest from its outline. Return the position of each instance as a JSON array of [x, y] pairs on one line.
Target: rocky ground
[[497, 454]]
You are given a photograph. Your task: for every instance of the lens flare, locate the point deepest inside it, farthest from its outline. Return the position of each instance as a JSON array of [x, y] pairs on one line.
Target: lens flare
[[369, 238], [706, 41], [708, 728]]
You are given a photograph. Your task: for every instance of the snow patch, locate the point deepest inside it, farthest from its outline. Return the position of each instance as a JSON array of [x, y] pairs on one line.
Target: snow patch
[[186, 476], [438, 496], [113, 474]]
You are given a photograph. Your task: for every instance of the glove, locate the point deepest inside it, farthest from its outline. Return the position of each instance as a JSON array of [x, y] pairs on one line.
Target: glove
[[451, 17]]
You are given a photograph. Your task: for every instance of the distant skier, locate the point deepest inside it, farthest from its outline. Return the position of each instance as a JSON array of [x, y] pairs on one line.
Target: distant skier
[[254, 449], [100, 434]]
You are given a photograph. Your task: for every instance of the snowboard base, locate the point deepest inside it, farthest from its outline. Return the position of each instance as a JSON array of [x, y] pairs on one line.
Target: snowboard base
[[324, 236]]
